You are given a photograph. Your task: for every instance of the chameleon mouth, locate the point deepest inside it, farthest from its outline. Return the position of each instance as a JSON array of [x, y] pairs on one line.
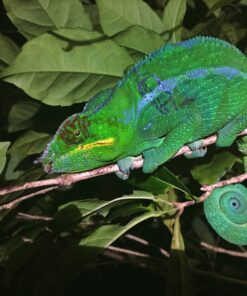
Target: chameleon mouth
[[48, 167]]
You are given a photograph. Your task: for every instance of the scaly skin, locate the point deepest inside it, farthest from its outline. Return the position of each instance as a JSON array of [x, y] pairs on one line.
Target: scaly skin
[[226, 212], [176, 95]]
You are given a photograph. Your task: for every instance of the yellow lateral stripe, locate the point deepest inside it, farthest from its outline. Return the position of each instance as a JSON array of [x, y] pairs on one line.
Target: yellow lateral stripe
[[104, 142]]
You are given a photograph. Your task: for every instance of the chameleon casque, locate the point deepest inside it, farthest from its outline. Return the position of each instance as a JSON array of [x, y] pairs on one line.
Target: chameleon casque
[[174, 96]]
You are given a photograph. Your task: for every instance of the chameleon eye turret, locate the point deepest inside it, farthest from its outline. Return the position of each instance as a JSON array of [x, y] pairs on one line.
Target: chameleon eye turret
[[75, 129], [226, 211]]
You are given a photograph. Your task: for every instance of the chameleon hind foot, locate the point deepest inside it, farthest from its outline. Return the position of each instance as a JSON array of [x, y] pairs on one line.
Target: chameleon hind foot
[[197, 150], [150, 164], [228, 134], [125, 165]]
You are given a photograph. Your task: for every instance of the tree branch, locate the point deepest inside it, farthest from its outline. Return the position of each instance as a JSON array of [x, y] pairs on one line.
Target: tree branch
[[11, 204], [233, 180], [68, 179]]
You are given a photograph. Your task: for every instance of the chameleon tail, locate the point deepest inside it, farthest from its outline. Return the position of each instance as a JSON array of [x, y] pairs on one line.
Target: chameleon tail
[[226, 211]]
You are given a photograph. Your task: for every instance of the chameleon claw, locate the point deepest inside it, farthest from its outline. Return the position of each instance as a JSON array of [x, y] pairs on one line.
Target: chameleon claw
[[197, 150], [122, 176], [125, 166]]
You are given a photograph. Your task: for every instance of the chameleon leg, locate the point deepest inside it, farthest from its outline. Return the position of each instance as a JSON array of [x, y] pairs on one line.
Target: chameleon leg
[[171, 144], [197, 150], [228, 133], [125, 165]]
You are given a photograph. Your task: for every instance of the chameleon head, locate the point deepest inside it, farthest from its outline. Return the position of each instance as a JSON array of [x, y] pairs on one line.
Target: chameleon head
[[82, 143]]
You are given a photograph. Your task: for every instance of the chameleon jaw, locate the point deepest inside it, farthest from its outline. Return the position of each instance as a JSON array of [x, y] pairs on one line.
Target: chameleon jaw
[[48, 167]]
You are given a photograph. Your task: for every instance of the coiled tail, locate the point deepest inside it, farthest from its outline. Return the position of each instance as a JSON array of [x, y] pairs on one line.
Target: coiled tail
[[226, 211]]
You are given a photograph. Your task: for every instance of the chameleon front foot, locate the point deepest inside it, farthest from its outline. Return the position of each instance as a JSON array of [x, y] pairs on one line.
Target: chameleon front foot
[[125, 165], [150, 164], [197, 150]]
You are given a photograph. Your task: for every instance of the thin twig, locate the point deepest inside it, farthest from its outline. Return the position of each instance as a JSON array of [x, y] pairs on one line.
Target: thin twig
[[233, 180], [25, 216], [223, 251], [146, 243], [242, 249], [11, 204], [213, 276], [181, 205], [127, 251]]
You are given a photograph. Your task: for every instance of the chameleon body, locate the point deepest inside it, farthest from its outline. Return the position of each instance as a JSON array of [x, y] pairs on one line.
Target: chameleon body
[[226, 211], [176, 95]]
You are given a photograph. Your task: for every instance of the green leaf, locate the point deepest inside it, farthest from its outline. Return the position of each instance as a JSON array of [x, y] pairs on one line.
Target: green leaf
[[87, 206], [210, 4], [232, 33], [217, 5], [3, 150], [105, 235], [213, 171], [149, 183], [173, 18], [116, 16], [8, 51], [177, 238], [91, 206], [203, 231], [169, 178], [48, 71], [20, 115], [128, 209], [34, 17], [179, 280], [29, 143], [159, 182], [138, 38]]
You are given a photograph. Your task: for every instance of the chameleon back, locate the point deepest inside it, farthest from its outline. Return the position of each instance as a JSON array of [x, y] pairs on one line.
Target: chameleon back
[[176, 59]]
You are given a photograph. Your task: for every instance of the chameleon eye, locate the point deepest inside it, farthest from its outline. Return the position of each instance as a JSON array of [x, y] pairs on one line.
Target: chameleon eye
[[77, 133], [75, 130]]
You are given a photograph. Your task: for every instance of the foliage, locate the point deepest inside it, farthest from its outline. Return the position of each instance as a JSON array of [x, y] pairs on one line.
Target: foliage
[[54, 55]]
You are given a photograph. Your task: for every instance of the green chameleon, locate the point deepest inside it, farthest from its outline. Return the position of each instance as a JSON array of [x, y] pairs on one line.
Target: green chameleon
[[226, 211], [176, 95]]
